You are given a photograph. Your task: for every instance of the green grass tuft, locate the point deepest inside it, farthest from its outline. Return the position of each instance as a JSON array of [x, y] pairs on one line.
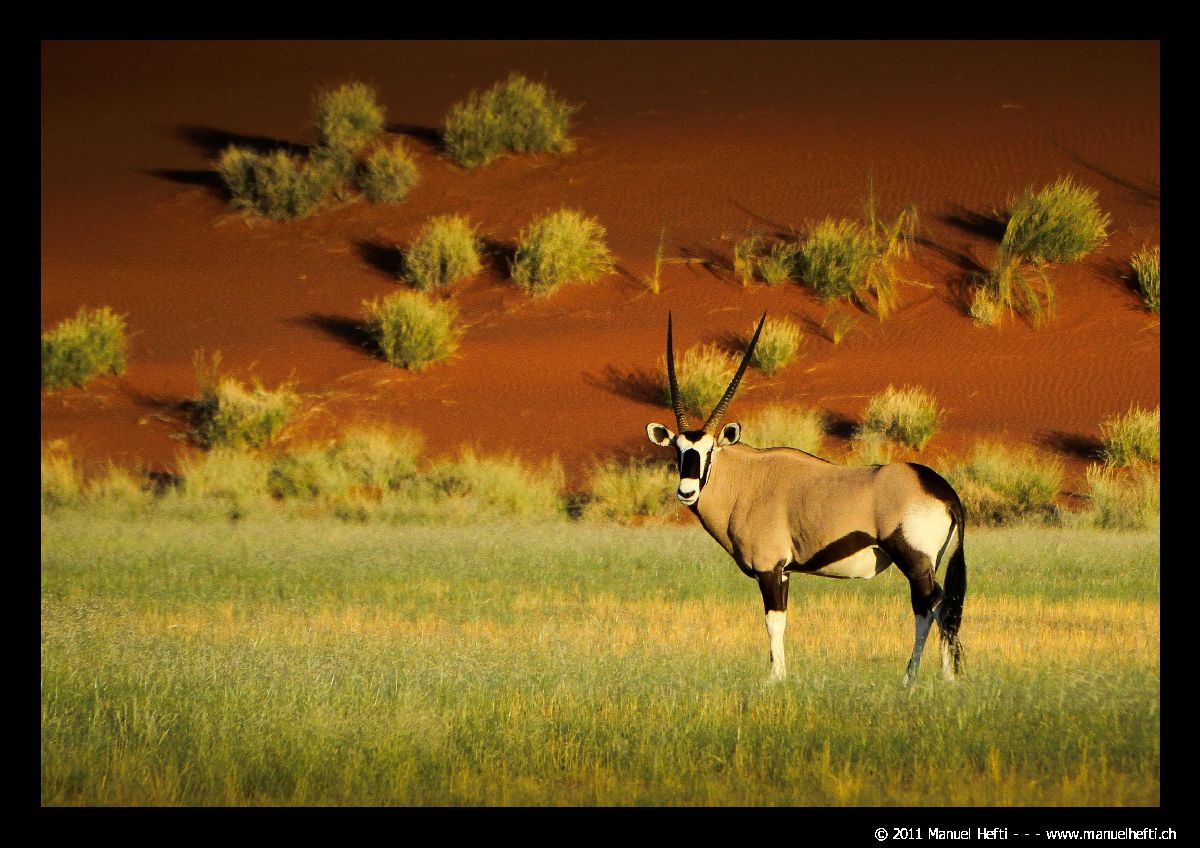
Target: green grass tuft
[[1060, 223], [627, 491], [777, 346], [277, 185], [228, 414], [703, 373], [411, 330], [517, 115], [791, 426], [654, 282], [446, 250], [909, 416], [1128, 500], [348, 118], [79, 348], [388, 174], [563, 246], [999, 486], [1131, 438], [1146, 273]]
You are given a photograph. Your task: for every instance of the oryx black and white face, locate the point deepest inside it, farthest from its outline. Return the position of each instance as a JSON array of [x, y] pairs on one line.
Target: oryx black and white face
[[694, 451]]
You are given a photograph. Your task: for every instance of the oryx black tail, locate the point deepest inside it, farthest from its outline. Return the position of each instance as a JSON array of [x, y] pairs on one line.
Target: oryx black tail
[[950, 617]]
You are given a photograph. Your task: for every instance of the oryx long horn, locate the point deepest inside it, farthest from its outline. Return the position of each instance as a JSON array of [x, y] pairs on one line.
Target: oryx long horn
[[680, 415], [719, 410]]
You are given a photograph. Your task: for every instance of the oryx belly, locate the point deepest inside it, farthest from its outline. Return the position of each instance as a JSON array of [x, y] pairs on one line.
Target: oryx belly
[[862, 565]]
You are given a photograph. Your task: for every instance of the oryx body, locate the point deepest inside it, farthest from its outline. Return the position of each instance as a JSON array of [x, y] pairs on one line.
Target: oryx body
[[781, 511]]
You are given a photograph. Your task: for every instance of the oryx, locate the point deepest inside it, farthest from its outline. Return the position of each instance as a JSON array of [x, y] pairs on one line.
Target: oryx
[[780, 510]]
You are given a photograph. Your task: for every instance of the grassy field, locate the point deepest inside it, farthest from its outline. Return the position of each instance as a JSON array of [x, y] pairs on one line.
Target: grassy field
[[316, 662]]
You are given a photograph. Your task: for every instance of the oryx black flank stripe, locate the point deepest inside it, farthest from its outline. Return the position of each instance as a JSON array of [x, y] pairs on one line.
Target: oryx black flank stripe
[[848, 545]]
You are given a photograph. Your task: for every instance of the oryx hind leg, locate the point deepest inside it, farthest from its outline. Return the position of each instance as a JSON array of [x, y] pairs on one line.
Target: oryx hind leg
[[918, 565]]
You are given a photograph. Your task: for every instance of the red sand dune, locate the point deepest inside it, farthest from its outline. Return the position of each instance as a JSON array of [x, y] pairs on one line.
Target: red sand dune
[[705, 138]]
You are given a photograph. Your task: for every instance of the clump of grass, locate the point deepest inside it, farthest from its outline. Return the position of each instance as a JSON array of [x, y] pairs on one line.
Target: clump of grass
[[837, 325], [445, 250], [986, 307], [745, 257], [790, 426], [653, 281], [79, 348], [1131, 438], [561, 247], [1123, 501], [348, 118], [703, 373], [869, 448], [411, 330], [777, 345], [228, 414], [909, 416], [842, 258], [62, 476], [365, 464], [229, 478], [625, 491], [1000, 486], [517, 115], [1146, 273], [388, 174], [497, 486], [773, 263], [277, 185]]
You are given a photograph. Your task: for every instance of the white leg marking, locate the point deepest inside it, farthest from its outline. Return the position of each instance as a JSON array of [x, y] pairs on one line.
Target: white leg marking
[[923, 623], [776, 622]]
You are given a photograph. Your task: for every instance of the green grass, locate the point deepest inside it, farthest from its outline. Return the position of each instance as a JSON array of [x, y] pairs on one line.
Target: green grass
[[1001, 486], [778, 345], [627, 491], [229, 414], [703, 373], [1146, 273], [411, 330], [77, 349], [790, 426], [517, 115], [909, 416], [1060, 223], [773, 263], [348, 118], [563, 246], [1123, 499], [270, 662], [445, 250], [1131, 438], [388, 174], [277, 185]]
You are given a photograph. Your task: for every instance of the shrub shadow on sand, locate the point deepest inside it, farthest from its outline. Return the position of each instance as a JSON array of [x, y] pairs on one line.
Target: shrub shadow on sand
[[349, 331], [1071, 444]]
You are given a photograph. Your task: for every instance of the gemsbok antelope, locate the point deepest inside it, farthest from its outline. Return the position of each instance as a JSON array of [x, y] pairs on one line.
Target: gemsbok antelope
[[779, 511]]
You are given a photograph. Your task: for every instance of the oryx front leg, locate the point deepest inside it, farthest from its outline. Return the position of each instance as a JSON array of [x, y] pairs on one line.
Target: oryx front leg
[[774, 587]]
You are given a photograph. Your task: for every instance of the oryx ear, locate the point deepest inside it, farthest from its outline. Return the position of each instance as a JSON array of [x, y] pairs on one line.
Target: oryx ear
[[660, 435], [731, 434]]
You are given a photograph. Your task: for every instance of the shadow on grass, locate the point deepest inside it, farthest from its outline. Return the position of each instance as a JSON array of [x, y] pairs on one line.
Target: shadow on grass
[[348, 331], [1071, 444], [387, 258]]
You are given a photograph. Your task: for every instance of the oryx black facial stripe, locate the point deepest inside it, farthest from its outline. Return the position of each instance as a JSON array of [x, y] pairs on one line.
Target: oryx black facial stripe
[[689, 464]]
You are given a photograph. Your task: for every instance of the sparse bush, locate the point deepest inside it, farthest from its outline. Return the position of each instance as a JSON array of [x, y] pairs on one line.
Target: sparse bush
[[785, 426], [1124, 500], [561, 247], [1060, 223], [411, 330], [230, 415], [1146, 272], [348, 118], [231, 479], [497, 486], [1011, 285], [837, 325], [745, 258], [388, 174], [624, 491], [773, 263], [62, 477], [365, 464], [869, 448], [777, 345], [446, 250], [517, 115], [277, 185], [79, 348], [985, 308], [999, 486], [909, 416], [703, 373], [1131, 438]]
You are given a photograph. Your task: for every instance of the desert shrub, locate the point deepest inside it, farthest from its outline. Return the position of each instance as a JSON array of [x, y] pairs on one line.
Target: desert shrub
[[377, 458], [445, 250], [1060, 223], [348, 118], [837, 325], [388, 174], [411, 330], [703, 373], [771, 262], [277, 185], [1000, 486], [228, 414], [79, 348], [561, 247], [1131, 438], [745, 257], [62, 477], [1126, 500], [870, 448], [777, 345], [790, 426], [909, 416], [624, 491], [1011, 285], [986, 307], [231, 480], [364, 464], [492, 486], [517, 115], [1146, 273]]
